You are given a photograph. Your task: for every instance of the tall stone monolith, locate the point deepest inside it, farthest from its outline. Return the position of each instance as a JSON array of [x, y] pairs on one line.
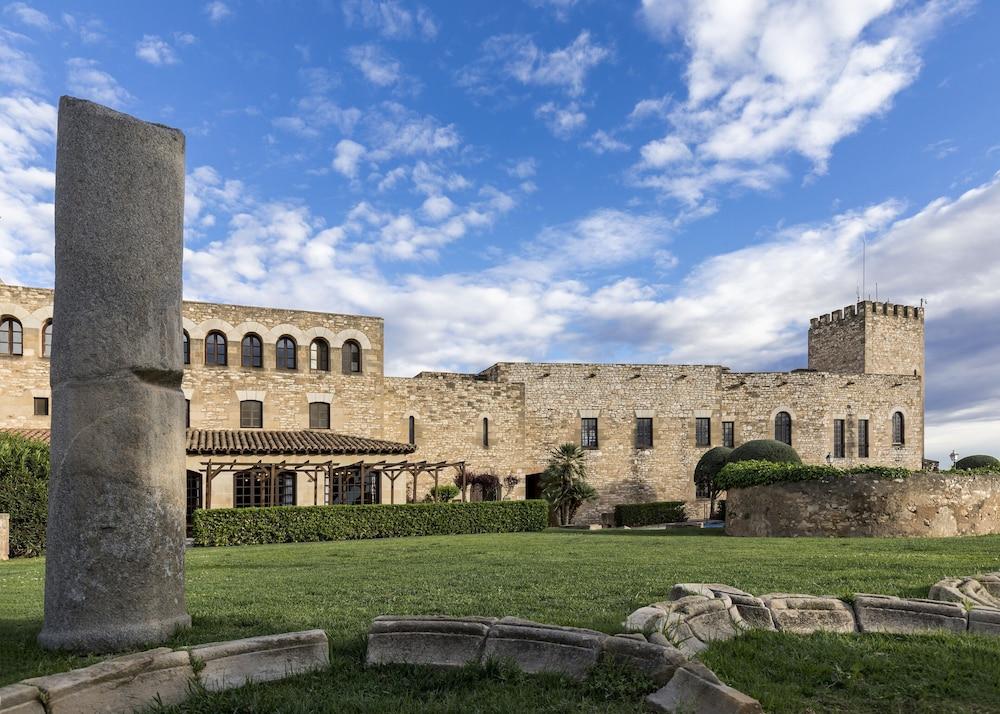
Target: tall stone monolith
[[114, 571]]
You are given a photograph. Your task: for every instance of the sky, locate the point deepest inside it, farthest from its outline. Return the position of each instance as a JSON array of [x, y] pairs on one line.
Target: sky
[[639, 180]]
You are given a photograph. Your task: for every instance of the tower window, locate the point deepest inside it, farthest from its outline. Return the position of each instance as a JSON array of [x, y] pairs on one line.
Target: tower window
[[351, 354], [11, 337], [838, 438], [898, 429], [644, 433], [588, 433], [187, 413], [783, 427], [187, 347], [411, 424], [319, 415], [486, 432], [251, 414], [702, 431], [252, 352], [319, 355]]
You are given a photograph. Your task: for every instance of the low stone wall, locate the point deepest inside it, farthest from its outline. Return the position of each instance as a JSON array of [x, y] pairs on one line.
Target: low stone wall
[[925, 504], [165, 676]]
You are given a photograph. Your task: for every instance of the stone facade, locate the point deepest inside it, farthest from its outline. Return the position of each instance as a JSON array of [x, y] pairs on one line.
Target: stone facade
[[868, 362]]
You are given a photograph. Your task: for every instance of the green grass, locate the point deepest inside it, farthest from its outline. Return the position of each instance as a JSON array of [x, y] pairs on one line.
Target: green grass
[[572, 578]]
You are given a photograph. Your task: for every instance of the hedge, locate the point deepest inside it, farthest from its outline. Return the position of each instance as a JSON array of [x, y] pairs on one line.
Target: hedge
[[300, 524], [765, 450], [24, 492], [648, 514], [977, 461], [744, 474]]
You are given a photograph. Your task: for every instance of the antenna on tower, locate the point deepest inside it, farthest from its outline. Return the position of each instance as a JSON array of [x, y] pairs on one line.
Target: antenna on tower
[[864, 265]]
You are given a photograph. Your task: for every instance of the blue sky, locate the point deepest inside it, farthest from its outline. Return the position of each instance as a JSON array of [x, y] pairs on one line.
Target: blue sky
[[556, 179]]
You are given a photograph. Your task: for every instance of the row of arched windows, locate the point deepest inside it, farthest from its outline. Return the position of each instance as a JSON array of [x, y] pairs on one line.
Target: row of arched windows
[[12, 337], [285, 352], [783, 430]]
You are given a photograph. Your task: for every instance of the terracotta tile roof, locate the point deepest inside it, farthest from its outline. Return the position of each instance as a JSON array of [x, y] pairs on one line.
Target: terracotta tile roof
[[258, 441], [33, 434]]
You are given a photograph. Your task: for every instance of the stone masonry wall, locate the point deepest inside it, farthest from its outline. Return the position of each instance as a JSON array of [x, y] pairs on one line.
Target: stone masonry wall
[[870, 337]]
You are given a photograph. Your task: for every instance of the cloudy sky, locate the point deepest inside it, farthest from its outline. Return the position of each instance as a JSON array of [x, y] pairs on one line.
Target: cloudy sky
[[656, 181]]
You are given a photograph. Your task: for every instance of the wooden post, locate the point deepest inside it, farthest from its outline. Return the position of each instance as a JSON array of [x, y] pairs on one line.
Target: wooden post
[[362, 474], [208, 484], [461, 470], [315, 486], [274, 484]]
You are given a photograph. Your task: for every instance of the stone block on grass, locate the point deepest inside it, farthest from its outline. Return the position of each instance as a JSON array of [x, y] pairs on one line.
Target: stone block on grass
[[646, 620], [984, 621], [427, 640], [884, 613], [694, 689], [225, 665], [804, 614], [122, 684], [657, 662], [703, 619], [20, 699], [535, 647]]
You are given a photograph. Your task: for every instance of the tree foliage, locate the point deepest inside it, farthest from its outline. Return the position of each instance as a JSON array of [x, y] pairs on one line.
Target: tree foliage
[[564, 482], [24, 493]]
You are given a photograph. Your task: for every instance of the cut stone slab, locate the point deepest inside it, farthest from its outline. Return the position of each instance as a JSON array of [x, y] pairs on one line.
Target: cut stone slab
[[122, 684], [260, 659], [694, 689], [20, 699], [437, 641], [946, 590], [535, 647], [656, 661], [638, 637], [803, 614], [883, 613], [984, 621], [646, 620], [703, 619]]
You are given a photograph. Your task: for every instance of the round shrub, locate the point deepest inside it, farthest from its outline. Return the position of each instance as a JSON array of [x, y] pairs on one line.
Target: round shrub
[[711, 463], [977, 461], [765, 450], [24, 493]]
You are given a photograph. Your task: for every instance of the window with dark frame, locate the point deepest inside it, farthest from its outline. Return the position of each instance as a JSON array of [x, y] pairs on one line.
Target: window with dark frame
[[588, 432], [486, 432], [728, 434], [347, 489], [702, 431], [783, 427], [187, 413], [252, 352], [285, 353], [898, 429], [319, 355], [286, 488], [644, 432], [11, 337], [319, 415], [187, 347], [838, 438], [215, 349], [47, 339], [411, 424], [251, 414], [351, 357], [41, 406], [863, 438]]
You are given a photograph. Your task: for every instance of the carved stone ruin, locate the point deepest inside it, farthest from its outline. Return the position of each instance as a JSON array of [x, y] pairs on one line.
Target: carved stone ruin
[[114, 573]]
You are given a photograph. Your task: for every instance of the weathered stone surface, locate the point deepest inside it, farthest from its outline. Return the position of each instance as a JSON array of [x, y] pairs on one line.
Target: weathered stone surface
[[656, 661], [646, 620], [632, 636], [977, 590], [260, 659], [657, 638], [802, 614], [883, 613], [4, 536], [20, 699], [693, 621], [984, 621], [535, 647], [439, 641], [946, 590], [122, 684], [114, 572], [695, 690]]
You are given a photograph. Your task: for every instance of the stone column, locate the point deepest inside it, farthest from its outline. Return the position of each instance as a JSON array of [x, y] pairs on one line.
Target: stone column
[[114, 571]]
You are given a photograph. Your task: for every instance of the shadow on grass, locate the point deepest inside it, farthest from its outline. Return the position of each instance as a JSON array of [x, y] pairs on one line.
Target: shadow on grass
[[641, 532]]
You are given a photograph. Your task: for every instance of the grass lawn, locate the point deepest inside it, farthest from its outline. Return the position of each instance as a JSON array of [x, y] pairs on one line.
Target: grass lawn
[[572, 578]]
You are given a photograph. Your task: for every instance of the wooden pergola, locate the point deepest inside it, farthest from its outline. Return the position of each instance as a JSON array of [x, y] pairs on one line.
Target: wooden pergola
[[331, 471]]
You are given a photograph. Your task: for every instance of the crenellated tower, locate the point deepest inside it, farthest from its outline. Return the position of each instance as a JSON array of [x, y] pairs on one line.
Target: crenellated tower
[[869, 338]]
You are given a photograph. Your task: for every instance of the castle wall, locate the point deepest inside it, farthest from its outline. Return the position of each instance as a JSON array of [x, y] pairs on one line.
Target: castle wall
[[24, 378], [870, 337]]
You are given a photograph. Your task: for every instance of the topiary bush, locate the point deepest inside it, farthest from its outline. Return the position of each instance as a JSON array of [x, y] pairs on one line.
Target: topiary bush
[[744, 474], [649, 514], [709, 466], [24, 492], [977, 461], [301, 524], [776, 452]]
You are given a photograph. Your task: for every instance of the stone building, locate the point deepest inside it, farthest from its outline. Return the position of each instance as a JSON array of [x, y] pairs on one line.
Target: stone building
[[288, 406]]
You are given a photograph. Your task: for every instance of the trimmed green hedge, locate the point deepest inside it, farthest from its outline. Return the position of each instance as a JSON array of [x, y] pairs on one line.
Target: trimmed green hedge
[[24, 493], [765, 450], [648, 514], [744, 474], [977, 461], [300, 524]]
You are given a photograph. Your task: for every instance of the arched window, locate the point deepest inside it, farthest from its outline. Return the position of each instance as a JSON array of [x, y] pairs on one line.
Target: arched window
[[251, 414], [351, 353], [187, 347], [11, 337], [47, 339], [252, 351], [215, 348], [898, 429], [783, 427], [319, 415], [319, 355], [285, 353], [486, 432], [412, 428]]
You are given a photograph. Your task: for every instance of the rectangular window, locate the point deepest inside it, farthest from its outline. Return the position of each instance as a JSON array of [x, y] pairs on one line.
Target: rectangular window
[[863, 438], [187, 413], [588, 433], [41, 406], [251, 415], [728, 434], [838, 438], [486, 432], [319, 415], [644, 433], [702, 431]]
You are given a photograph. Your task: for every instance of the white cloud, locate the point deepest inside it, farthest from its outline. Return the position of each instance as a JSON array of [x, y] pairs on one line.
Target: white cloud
[[347, 156], [560, 8], [564, 121], [87, 81], [601, 142], [28, 15], [391, 19], [377, 66], [155, 50], [650, 109], [91, 31], [17, 67], [437, 208], [315, 114], [392, 131], [523, 168], [217, 11], [665, 151]]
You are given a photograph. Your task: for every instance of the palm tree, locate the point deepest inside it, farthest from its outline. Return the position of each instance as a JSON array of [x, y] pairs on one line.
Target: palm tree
[[564, 483]]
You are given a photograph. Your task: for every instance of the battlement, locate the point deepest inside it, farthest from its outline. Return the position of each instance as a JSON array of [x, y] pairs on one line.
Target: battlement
[[868, 307]]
